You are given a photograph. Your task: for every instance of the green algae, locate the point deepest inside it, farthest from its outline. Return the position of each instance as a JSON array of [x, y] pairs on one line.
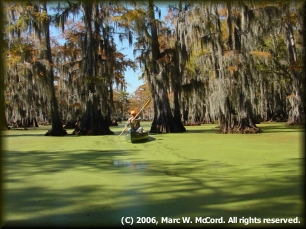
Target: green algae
[[95, 181]]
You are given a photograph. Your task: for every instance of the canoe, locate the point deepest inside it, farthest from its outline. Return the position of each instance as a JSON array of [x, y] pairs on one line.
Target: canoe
[[137, 137]]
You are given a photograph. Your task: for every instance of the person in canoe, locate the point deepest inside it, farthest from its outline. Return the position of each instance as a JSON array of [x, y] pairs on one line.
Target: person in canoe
[[134, 123]]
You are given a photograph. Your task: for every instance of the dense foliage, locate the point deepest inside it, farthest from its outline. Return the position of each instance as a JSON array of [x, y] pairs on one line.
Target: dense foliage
[[237, 63]]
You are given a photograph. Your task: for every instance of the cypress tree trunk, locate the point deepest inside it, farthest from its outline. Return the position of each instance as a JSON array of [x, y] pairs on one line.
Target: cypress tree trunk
[[57, 126], [244, 121], [163, 121], [176, 76], [92, 121]]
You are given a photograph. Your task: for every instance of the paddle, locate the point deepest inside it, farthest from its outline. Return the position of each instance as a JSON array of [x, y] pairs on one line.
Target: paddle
[[147, 102]]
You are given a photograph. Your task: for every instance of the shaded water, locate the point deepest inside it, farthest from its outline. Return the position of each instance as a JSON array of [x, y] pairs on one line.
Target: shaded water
[[95, 181], [132, 165]]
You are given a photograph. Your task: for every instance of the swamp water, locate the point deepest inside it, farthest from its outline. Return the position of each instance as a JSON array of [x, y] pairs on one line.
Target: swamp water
[[170, 180]]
